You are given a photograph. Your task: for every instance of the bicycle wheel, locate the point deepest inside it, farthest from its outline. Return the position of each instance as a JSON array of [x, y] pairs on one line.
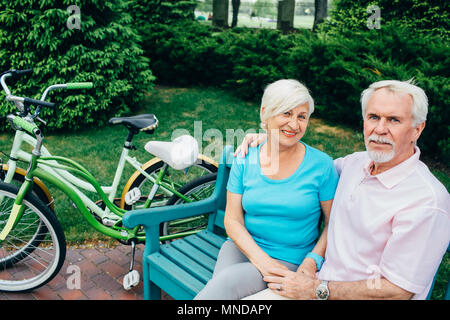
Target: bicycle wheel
[[175, 178], [198, 189], [34, 251], [39, 188]]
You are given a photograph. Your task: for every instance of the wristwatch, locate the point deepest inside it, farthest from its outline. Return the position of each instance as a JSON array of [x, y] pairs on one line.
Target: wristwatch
[[322, 292], [317, 258]]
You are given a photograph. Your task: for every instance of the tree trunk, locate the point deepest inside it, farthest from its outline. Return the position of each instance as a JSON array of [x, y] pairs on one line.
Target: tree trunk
[[220, 13], [236, 4], [320, 12], [285, 18]]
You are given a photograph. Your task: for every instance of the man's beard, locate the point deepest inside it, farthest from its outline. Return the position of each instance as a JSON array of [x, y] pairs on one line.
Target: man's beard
[[380, 157]]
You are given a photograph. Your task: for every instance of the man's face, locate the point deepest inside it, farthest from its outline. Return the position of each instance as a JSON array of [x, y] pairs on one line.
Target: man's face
[[388, 132]]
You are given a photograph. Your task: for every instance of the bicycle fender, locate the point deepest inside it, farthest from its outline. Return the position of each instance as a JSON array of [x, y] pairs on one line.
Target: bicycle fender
[[37, 181]]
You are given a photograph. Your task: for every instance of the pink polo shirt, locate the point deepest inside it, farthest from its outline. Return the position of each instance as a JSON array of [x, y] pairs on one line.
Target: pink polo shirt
[[394, 225]]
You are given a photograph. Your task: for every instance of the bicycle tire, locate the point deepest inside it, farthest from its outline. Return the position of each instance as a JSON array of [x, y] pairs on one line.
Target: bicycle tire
[[39, 188], [203, 166], [196, 190], [26, 267]]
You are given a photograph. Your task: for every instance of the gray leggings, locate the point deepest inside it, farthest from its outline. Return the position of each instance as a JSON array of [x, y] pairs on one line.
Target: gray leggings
[[234, 277]]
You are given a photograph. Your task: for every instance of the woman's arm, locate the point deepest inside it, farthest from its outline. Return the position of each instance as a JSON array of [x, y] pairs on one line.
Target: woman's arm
[[236, 230], [308, 266]]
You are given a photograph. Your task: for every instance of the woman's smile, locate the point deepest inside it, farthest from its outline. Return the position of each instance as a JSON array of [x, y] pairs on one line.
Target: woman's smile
[[289, 134]]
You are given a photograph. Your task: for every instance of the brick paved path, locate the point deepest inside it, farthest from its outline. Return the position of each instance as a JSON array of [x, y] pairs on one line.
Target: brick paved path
[[101, 269]]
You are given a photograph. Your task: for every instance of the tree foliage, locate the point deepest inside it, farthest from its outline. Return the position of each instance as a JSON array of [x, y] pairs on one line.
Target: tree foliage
[[423, 17], [105, 50], [336, 67]]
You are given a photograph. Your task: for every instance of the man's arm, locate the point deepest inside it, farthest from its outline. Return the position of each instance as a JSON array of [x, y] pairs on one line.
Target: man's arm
[[299, 286], [250, 140], [372, 289]]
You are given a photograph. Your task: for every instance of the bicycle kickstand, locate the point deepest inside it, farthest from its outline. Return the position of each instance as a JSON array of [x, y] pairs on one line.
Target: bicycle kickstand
[[131, 279]]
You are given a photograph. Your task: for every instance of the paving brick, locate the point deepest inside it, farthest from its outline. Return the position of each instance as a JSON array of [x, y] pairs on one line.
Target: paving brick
[[113, 269], [119, 257], [101, 274], [74, 256], [97, 294], [93, 255], [45, 293], [107, 283], [74, 294]]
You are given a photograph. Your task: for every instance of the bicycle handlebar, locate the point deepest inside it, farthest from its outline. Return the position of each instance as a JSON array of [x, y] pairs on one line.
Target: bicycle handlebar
[[19, 73], [79, 85], [23, 103], [31, 127], [28, 101]]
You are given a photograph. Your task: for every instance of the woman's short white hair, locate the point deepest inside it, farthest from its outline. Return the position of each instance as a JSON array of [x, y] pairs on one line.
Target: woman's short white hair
[[284, 95], [420, 101]]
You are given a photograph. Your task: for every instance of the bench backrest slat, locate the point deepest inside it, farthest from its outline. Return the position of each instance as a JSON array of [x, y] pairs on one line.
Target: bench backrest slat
[[215, 222]]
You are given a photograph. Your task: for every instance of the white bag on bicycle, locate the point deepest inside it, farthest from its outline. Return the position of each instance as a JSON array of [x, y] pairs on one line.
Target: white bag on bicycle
[[180, 154]]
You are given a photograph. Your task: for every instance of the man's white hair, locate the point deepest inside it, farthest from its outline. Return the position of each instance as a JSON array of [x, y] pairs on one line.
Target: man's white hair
[[419, 108], [284, 95]]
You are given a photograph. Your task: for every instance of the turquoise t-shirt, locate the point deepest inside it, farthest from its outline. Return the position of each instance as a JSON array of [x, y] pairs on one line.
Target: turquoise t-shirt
[[282, 216]]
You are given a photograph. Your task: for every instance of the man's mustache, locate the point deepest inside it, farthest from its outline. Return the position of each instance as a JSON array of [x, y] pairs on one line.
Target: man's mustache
[[379, 139]]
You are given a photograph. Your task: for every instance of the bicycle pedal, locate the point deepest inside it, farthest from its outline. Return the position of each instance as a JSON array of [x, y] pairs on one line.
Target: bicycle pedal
[[131, 279], [132, 196]]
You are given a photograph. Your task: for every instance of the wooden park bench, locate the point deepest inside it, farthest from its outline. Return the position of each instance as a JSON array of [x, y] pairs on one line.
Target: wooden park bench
[[183, 267]]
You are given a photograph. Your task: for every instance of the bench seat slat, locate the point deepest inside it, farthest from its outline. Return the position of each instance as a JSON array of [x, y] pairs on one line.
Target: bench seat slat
[[186, 263], [193, 253], [176, 282], [203, 245], [212, 238]]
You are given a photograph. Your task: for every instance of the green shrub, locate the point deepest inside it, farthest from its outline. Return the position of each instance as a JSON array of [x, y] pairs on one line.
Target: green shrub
[[423, 17], [105, 50], [336, 67]]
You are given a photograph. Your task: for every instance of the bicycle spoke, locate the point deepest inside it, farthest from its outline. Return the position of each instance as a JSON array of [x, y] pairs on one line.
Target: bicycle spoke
[[31, 254]]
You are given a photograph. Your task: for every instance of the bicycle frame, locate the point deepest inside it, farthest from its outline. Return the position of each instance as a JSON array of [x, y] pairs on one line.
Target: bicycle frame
[[48, 168]]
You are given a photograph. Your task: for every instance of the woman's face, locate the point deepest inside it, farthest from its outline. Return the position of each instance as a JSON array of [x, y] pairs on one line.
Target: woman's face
[[288, 127]]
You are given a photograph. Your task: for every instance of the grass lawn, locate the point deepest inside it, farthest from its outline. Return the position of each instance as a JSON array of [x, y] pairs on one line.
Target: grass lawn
[[98, 149]]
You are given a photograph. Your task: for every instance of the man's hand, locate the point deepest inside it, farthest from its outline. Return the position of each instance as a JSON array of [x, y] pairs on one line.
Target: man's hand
[[308, 268], [250, 140], [294, 285]]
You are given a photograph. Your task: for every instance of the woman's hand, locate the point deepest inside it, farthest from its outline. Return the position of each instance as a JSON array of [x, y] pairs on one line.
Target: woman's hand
[[293, 285], [308, 268], [250, 140], [268, 263]]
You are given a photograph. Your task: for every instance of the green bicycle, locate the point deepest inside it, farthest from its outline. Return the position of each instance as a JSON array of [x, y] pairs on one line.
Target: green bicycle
[[32, 242]]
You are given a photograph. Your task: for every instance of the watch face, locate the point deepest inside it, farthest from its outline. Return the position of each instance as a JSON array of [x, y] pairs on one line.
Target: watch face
[[322, 293]]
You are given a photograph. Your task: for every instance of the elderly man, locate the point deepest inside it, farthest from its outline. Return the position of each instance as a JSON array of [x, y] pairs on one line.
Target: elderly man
[[389, 225]]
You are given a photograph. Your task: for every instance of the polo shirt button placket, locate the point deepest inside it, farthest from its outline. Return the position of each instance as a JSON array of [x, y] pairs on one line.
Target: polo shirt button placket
[[358, 186]]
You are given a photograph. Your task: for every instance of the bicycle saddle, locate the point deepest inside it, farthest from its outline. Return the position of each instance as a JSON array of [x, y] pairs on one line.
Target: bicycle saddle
[[181, 153], [143, 122]]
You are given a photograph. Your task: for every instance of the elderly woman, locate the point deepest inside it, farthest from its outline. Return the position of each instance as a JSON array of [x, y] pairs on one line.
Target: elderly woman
[[275, 198]]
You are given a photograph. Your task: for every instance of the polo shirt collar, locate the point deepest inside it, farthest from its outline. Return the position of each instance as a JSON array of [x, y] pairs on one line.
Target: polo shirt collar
[[395, 175]]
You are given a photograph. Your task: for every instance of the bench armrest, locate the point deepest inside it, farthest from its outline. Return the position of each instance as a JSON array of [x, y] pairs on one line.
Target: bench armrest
[[155, 216]]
